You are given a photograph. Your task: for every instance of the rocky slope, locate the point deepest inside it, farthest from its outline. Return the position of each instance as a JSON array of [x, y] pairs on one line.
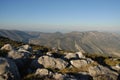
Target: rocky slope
[[89, 42], [15, 35], [25, 62]]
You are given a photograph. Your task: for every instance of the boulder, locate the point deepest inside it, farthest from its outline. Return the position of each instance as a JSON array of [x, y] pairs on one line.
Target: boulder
[[102, 72], [49, 53], [25, 48], [16, 54], [71, 56], [58, 76], [8, 70], [78, 63], [50, 62], [43, 72], [22, 60], [7, 47], [76, 55], [80, 55]]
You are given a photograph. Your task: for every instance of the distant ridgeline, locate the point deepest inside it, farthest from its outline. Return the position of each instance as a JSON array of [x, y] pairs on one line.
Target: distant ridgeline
[[104, 43]]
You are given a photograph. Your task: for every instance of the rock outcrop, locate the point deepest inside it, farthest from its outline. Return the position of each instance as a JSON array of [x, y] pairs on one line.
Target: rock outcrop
[[102, 72], [7, 47], [23, 60], [8, 70], [50, 62]]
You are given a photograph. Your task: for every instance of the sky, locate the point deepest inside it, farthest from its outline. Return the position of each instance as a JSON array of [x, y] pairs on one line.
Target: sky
[[60, 15]]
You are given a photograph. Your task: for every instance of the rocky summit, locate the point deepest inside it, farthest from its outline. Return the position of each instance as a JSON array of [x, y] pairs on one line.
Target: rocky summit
[[26, 62]]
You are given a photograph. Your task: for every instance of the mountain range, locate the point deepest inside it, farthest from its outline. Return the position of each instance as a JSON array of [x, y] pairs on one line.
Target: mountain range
[[87, 42]]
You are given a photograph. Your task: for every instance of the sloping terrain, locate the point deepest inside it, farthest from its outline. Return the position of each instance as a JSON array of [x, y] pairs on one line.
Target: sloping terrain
[[15, 35], [22, 61], [88, 42]]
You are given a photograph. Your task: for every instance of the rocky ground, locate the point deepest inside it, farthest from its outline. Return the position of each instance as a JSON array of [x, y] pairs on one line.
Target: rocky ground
[[24, 63]]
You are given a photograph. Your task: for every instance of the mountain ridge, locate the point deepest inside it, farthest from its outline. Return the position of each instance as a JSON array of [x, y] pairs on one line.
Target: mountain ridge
[[88, 41]]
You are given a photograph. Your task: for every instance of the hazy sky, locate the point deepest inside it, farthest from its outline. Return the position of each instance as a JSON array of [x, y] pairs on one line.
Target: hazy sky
[[60, 15]]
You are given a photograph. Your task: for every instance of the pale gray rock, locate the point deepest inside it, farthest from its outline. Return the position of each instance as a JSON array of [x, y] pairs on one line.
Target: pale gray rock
[[78, 63], [15, 55], [49, 53], [8, 70], [80, 54], [58, 76], [76, 55], [7, 47], [89, 60], [43, 72], [50, 62], [71, 56], [100, 71], [25, 48]]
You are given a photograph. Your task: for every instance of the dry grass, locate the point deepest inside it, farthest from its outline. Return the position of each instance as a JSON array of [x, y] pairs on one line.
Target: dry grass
[[111, 62], [76, 70]]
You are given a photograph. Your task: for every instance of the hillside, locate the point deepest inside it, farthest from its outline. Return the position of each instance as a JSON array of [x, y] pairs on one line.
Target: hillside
[[88, 42], [15, 35], [22, 61]]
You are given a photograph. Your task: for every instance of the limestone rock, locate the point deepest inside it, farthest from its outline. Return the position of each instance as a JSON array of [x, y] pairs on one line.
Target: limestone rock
[[43, 72], [7, 47], [58, 76], [78, 63], [14, 54], [71, 56], [8, 70], [80, 55], [50, 62], [25, 48], [102, 72]]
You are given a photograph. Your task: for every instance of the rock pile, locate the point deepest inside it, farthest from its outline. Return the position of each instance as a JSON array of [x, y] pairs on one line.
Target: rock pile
[[71, 66]]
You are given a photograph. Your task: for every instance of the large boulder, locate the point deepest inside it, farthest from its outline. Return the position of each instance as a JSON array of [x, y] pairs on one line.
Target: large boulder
[[78, 63], [80, 54], [58, 76], [22, 60], [99, 72], [25, 48], [71, 56], [43, 72], [8, 70], [7, 47], [17, 55], [14, 54], [76, 55], [50, 62]]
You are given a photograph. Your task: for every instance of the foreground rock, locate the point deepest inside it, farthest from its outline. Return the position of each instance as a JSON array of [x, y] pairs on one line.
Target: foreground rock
[[8, 70], [76, 55], [7, 47], [100, 73], [78, 63], [25, 48], [43, 72], [50, 62], [18, 55]]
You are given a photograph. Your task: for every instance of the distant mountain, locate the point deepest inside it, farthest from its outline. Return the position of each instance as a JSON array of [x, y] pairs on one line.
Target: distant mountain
[[15, 35], [88, 42]]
